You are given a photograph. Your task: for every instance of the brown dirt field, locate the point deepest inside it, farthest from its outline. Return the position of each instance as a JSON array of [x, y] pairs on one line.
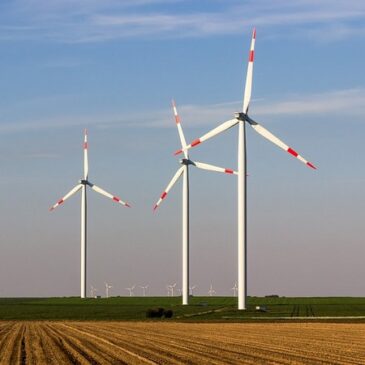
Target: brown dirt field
[[181, 343]]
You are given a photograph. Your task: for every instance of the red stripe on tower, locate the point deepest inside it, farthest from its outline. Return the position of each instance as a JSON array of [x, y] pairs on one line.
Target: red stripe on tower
[[251, 56], [228, 171], [294, 153], [195, 142]]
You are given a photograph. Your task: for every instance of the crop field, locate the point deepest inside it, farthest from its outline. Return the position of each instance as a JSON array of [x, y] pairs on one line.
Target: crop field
[[200, 308], [67, 342]]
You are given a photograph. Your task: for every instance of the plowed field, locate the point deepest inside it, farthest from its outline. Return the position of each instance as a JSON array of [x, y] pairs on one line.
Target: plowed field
[[180, 343]]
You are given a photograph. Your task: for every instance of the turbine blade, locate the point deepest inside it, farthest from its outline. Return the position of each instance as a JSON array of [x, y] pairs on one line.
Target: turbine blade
[[108, 195], [169, 186], [205, 166], [69, 194], [268, 135], [221, 128], [86, 160], [179, 128], [248, 86]]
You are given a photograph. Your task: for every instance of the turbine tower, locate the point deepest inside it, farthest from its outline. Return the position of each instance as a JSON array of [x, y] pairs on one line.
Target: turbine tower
[[82, 185], [241, 118], [184, 170]]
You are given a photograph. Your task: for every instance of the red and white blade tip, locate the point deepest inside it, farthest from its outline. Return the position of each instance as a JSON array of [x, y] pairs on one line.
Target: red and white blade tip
[[177, 117], [118, 200], [254, 33], [85, 139], [56, 205], [162, 197], [296, 154]]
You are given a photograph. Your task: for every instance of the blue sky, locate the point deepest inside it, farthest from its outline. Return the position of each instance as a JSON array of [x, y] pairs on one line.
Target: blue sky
[[113, 67]]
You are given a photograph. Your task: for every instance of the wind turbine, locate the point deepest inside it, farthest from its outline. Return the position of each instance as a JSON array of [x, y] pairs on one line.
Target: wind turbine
[[211, 291], [93, 291], [234, 289], [184, 170], [171, 288], [131, 294], [107, 287], [192, 289], [83, 183], [168, 290], [241, 118], [144, 288]]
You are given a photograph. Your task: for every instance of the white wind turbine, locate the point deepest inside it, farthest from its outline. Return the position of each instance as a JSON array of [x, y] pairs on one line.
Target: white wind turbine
[[82, 186], [211, 291], [107, 287], [93, 291], [184, 170], [235, 288], [241, 118], [192, 289], [170, 288], [144, 288], [131, 294]]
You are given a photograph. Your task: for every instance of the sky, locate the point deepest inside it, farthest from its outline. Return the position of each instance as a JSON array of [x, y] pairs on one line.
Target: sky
[[113, 66]]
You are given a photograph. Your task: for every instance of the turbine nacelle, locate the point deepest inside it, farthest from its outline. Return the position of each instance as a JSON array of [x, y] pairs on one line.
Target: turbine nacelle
[[241, 116], [186, 162]]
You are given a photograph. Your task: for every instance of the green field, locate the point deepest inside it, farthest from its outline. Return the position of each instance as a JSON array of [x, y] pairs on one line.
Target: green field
[[201, 308]]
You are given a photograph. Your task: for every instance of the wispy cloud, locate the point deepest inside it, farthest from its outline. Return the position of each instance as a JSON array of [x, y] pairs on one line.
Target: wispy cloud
[[331, 104], [95, 20]]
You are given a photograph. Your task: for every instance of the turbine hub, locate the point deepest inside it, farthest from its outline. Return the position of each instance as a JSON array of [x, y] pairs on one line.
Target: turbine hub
[[84, 182], [241, 116], [185, 161]]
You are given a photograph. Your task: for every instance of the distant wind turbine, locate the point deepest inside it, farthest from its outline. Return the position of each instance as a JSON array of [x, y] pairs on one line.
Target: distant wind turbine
[[184, 170], [93, 291], [192, 289], [211, 291], [107, 287], [144, 288], [82, 185], [131, 294], [235, 288], [241, 118], [171, 288]]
